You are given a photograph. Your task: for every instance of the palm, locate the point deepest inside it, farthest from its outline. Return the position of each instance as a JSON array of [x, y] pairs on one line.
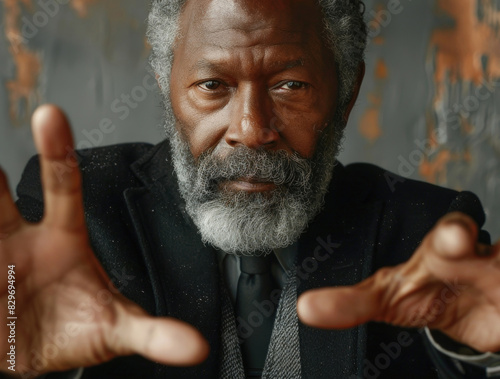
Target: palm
[[477, 323], [71, 314], [57, 285]]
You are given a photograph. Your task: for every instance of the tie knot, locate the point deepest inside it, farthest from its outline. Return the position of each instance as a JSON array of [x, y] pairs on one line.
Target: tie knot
[[255, 265]]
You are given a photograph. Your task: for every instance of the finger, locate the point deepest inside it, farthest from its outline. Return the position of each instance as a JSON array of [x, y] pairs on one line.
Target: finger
[[164, 340], [455, 237], [10, 219], [338, 308], [61, 177]]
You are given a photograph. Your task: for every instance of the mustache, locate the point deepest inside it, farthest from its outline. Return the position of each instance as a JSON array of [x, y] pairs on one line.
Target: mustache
[[278, 167]]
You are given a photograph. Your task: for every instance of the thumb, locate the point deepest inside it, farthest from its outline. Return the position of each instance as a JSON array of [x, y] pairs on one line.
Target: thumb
[[338, 308], [164, 340]]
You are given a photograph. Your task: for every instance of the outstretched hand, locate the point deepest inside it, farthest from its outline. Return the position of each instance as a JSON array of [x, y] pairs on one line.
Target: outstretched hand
[[451, 283], [56, 273]]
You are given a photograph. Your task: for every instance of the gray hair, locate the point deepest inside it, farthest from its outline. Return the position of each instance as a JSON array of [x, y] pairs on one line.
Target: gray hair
[[345, 33]]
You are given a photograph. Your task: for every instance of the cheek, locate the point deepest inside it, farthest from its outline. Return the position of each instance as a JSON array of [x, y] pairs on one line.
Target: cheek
[[202, 130], [301, 133], [301, 123], [302, 126]]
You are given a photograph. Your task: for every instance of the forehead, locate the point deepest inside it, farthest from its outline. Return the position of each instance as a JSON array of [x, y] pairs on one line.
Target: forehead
[[224, 26], [249, 15]]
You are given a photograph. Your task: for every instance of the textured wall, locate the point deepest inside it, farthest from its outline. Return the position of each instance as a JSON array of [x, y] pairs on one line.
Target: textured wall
[[429, 107]]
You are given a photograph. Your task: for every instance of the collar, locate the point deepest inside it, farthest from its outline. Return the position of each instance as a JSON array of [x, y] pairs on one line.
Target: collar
[[286, 257]]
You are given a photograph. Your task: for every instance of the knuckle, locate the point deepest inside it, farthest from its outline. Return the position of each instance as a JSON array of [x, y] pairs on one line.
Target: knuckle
[[383, 274]]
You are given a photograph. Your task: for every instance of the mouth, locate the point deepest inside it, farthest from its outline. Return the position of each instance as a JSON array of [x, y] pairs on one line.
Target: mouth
[[248, 185]]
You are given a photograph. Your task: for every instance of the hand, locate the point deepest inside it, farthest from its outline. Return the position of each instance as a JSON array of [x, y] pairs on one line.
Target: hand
[[451, 283], [56, 272]]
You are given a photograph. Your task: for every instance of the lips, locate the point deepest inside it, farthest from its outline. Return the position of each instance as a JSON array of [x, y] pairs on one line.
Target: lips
[[248, 185]]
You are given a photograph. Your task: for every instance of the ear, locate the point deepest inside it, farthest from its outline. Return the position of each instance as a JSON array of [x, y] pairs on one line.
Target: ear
[[355, 93]]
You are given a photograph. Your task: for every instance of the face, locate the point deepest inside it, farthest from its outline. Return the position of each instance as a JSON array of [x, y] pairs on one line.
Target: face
[[254, 92], [252, 73]]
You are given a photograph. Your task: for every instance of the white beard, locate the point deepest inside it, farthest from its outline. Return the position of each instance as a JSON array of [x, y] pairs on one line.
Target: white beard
[[252, 223]]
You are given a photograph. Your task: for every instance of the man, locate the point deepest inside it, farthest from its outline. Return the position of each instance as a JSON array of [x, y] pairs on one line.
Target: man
[[257, 94]]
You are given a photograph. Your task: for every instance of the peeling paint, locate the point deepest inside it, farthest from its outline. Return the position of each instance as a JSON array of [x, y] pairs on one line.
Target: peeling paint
[[434, 170], [381, 71], [466, 60], [379, 40], [82, 6], [23, 96], [22, 89], [369, 126], [460, 49]]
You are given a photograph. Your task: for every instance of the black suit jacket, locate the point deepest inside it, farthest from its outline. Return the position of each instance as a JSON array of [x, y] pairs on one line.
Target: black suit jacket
[[151, 249]]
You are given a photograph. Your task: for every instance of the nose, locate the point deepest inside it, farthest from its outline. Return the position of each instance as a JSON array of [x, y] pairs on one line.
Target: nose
[[251, 122]]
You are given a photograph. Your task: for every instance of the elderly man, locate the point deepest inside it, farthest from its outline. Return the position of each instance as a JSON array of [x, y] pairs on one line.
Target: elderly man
[[241, 210]]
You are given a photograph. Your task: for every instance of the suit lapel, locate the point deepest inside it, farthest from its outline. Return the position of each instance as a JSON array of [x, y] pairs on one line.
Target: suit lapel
[[183, 272], [336, 251]]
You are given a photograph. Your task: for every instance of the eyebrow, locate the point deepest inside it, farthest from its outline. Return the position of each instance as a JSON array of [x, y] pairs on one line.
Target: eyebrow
[[289, 64], [203, 64], [283, 65]]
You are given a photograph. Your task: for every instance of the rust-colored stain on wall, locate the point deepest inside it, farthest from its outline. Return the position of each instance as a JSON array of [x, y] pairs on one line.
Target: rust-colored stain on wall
[[369, 126], [23, 88], [435, 171], [82, 6], [379, 40], [467, 54], [460, 49]]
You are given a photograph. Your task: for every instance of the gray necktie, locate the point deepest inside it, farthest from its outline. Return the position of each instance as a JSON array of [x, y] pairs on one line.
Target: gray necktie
[[255, 311]]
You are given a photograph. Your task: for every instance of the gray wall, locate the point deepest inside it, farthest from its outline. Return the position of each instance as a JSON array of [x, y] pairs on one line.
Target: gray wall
[[429, 106]]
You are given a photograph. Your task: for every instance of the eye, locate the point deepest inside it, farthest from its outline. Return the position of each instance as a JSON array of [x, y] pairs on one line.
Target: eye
[[210, 85], [294, 85]]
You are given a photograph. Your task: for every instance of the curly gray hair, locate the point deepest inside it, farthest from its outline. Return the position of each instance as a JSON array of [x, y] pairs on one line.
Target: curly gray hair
[[345, 33]]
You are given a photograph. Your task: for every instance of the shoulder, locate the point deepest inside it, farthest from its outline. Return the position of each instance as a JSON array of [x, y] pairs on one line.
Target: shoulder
[[408, 208], [404, 193], [95, 161], [111, 164], [107, 167], [386, 185]]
